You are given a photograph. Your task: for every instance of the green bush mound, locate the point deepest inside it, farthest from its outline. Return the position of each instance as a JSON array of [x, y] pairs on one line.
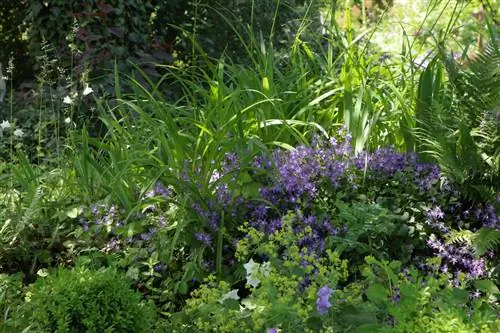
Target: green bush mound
[[83, 300]]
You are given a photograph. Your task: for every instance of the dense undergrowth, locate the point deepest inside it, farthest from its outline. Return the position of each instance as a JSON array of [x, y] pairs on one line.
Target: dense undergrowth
[[320, 184]]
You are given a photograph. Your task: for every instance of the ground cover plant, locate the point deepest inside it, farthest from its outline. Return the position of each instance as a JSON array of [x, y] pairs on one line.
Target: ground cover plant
[[309, 175]]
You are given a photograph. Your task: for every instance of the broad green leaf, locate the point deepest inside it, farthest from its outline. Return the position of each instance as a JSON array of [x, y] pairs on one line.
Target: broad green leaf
[[486, 286], [377, 293], [409, 290], [460, 296]]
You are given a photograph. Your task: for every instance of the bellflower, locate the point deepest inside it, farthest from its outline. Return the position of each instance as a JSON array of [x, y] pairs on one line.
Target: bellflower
[[322, 302], [204, 238], [252, 267], [233, 294]]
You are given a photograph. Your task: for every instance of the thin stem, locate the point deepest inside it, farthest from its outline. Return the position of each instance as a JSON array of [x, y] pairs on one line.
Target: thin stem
[[220, 239]]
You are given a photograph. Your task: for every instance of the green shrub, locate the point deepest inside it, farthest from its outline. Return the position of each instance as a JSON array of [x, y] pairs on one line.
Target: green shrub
[[83, 300]]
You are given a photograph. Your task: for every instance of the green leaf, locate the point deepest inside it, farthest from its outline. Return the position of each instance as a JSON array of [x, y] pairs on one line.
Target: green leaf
[[231, 304], [251, 190], [314, 323], [369, 328], [182, 287], [486, 286], [409, 290], [244, 178], [460, 296], [377, 293], [133, 273]]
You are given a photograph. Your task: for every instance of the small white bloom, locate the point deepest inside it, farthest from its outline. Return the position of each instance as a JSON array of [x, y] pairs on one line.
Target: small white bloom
[[67, 120], [5, 124], [250, 268], [67, 100], [87, 90], [233, 294], [19, 133]]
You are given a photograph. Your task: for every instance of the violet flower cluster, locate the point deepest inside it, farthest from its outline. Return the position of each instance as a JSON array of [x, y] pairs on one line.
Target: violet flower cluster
[[110, 220], [458, 258], [295, 180]]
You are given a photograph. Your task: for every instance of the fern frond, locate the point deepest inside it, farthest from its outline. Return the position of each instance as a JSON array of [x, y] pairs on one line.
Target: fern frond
[[482, 241], [457, 121], [460, 236], [486, 239]]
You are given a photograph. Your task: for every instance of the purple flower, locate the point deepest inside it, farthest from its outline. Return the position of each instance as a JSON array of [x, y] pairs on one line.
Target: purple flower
[[460, 257], [396, 296], [85, 226], [146, 236], [298, 173], [160, 189], [272, 330], [204, 238], [161, 221], [474, 295], [94, 210], [322, 302], [489, 218], [435, 214]]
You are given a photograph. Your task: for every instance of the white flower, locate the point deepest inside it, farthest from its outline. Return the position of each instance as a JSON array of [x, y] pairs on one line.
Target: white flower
[[233, 294], [87, 90], [250, 268], [19, 133], [67, 120], [253, 268], [67, 100], [5, 124]]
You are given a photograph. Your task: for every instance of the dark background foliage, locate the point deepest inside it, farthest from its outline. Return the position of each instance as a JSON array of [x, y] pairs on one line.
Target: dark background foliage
[[12, 14], [93, 34]]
